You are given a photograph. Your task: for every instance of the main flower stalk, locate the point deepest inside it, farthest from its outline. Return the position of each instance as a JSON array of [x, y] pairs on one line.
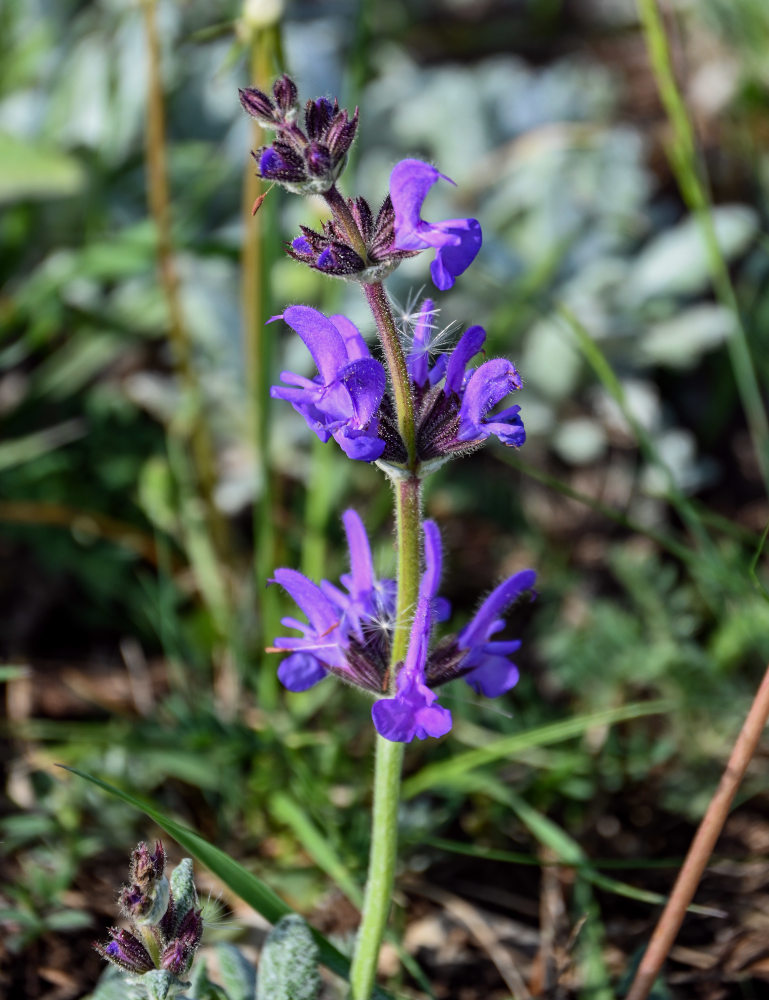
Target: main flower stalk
[[397, 367], [421, 408], [389, 754]]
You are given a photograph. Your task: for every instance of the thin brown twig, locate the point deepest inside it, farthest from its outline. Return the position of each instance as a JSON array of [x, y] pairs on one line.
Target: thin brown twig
[[702, 846], [160, 208], [89, 523], [478, 926]]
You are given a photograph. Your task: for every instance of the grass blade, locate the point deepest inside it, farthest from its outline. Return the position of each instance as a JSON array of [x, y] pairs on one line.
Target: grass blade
[[508, 746]]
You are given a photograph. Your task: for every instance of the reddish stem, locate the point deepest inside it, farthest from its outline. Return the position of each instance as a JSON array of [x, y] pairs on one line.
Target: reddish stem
[[702, 846]]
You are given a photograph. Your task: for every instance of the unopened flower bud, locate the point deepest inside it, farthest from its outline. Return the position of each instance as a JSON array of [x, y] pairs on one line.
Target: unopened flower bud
[[146, 898], [318, 159], [125, 951], [259, 14], [286, 94], [178, 954], [259, 106]]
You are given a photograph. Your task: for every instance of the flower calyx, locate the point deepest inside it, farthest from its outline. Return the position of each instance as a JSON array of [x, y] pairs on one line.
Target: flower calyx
[[331, 252]]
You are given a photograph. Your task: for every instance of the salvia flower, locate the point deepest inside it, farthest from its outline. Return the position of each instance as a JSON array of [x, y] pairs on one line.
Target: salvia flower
[[349, 633], [304, 161], [453, 403], [343, 399], [457, 241], [165, 929]]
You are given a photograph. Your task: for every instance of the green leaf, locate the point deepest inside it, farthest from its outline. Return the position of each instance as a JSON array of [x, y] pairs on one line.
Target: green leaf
[[201, 987], [288, 967], [183, 890], [33, 170], [32, 446], [318, 846], [114, 985], [509, 746], [9, 672], [238, 975], [246, 886]]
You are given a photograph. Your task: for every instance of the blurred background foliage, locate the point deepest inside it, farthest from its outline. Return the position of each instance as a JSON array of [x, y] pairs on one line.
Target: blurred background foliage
[[148, 488]]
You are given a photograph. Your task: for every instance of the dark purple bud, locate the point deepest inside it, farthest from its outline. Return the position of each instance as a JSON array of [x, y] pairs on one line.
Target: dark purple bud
[[146, 866], [168, 923], [341, 134], [176, 958], [125, 951], [383, 240], [362, 215], [131, 900], [145, 899], [191, 927], [258, 105], [178, 954], [301, 245], [280, 162], [285, 93], [318, 115], [318, 159]]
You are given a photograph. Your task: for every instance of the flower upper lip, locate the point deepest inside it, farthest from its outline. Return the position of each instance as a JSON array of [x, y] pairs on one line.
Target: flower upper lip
[[457, 241]]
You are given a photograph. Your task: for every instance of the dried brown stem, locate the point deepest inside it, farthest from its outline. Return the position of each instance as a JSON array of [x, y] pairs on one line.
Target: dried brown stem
[[160, 209], [702, 846]]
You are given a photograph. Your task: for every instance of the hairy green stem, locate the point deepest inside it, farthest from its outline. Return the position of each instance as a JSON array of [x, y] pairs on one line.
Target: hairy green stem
[[389, 755], [396, 364], [381, 869]]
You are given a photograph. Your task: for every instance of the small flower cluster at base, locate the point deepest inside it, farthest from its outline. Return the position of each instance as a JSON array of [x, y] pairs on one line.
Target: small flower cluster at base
[[349, 633], [331, 252], [305, 162], [453, 404], [165, 929]]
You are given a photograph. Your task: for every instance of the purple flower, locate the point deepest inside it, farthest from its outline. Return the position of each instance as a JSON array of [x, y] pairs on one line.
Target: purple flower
[[457, 241], [481, 390], [412, 712], [346, 628], [343, 399], [349, 633], [453, 404], [485, 665]]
